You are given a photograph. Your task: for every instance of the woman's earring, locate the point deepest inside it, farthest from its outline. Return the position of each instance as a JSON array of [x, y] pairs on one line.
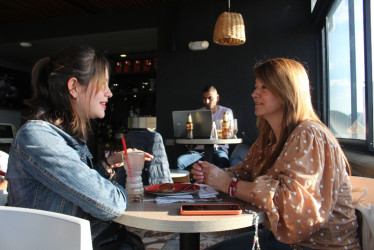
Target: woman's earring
[[76, 100]]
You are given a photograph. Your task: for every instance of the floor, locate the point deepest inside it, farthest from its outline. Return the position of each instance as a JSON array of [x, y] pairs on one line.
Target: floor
[[154, 240]]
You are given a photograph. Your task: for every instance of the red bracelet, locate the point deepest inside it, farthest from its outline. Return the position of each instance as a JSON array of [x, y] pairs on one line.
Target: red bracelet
[[233, 187]]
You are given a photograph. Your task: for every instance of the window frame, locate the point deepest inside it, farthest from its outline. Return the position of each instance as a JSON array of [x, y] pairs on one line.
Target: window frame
[[368, 74], [321, 10]]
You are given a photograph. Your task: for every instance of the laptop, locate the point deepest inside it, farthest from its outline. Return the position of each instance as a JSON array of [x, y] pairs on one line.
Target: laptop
[[202, 123]]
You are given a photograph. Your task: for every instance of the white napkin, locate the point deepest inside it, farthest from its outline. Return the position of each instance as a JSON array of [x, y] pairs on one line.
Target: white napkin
[[207, 191], [174, 198]]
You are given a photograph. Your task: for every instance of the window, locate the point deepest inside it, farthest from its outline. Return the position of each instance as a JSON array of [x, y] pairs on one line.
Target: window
[[350, 105], [370, 84], [312, 5]]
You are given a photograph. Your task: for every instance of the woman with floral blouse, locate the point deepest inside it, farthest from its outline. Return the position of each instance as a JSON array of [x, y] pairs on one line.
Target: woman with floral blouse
[[296, 172]]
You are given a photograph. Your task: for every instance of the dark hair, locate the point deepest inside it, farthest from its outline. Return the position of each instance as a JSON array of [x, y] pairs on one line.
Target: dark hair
[[51, 98], [209, 88]]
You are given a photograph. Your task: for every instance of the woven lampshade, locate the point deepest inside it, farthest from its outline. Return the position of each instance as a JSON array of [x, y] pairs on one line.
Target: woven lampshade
[[229, 29]]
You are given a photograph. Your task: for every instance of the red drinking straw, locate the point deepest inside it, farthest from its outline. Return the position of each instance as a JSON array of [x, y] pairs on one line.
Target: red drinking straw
[[2, 173], [127, 158]]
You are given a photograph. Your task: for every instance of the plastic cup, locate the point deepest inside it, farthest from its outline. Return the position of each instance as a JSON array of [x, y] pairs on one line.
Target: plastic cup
[[134, 183]]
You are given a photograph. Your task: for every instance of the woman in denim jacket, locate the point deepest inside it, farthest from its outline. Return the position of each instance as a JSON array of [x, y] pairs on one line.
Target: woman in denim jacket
[[50, 166]]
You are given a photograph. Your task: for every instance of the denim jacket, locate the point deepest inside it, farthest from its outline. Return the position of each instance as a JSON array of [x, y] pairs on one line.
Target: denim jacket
[[49, 170]]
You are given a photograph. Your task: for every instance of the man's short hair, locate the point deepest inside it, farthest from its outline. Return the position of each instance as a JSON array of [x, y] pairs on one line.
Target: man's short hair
[[209, 88]]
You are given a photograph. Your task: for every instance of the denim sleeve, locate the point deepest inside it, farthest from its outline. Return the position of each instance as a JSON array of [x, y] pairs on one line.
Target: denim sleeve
[[101, 169], [47, 156]]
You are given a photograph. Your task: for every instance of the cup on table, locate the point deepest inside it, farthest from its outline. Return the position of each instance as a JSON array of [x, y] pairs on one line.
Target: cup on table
[[134, 183], [219, 128], [219, 133], [235, 129]]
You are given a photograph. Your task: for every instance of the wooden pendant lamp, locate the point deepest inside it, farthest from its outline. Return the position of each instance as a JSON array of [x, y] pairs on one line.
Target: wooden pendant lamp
[[229, 29]]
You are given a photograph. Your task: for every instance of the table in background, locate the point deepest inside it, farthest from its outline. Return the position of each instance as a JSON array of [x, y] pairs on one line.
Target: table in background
[[166, 218], [208, 145]]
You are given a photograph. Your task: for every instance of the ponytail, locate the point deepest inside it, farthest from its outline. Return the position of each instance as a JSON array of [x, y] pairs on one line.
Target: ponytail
[[39, 83]]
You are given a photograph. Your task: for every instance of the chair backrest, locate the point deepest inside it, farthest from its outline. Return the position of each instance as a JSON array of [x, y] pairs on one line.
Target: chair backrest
[[7, 133], [23, 228]]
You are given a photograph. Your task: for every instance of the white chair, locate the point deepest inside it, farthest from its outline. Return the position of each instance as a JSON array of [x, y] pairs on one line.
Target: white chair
[[363, 200], [23, 228]]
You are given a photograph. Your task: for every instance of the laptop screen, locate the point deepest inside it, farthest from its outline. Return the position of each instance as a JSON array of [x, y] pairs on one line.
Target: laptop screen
[[202, 123]]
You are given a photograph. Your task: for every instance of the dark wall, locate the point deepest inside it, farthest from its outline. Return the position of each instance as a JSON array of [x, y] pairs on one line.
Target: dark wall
[[273, 29], [109, 21]]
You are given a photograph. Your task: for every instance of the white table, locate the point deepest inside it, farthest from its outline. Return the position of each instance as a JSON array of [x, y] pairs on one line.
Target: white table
[[166, 218], [208, 144]]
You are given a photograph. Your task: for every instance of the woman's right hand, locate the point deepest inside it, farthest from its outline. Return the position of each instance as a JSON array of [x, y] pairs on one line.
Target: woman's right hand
[[148, 156], [205, 172]]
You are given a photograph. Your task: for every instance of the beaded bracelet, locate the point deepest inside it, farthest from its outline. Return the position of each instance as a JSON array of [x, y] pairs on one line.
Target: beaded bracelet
[[232, 187], [256, 240]]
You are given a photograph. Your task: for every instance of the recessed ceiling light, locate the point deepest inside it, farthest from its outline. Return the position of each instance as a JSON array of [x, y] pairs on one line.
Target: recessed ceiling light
[[123, 55], [25, 44]]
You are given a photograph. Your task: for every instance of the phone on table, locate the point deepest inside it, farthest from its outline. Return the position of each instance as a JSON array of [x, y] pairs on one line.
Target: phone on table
[[210, 209]]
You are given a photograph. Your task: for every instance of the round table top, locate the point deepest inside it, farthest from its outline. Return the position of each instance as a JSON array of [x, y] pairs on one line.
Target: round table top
[[209, 141], [166, 218]]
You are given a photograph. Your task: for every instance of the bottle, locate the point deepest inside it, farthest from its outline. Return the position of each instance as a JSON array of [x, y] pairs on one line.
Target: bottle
[[213, 134], [189, 127], [225, 127]]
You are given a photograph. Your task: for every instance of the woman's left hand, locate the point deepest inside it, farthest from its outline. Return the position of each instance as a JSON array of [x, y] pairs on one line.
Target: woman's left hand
[[116, 159]]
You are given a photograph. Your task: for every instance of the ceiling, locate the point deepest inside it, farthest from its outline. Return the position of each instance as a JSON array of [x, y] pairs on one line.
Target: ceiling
[[13, 56], [32, 10]]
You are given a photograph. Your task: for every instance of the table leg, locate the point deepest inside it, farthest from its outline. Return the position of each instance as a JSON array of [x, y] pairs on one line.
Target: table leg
[[189, 241], [208, 152]]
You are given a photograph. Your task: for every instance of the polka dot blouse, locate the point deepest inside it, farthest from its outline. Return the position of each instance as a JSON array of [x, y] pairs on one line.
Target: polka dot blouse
[[306, 194]]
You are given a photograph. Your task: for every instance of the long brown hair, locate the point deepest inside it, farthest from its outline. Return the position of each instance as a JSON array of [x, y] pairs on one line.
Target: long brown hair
[[288, 80], [51, 98]]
